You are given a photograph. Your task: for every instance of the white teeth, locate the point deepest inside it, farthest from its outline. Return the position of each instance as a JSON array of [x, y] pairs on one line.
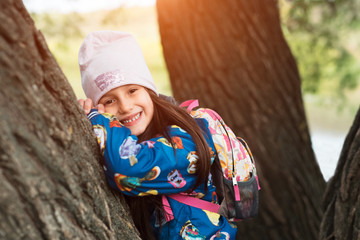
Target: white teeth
[[133, 119]]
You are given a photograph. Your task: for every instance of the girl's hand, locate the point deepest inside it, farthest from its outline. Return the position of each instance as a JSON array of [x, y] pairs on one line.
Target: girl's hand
[[87, 105]]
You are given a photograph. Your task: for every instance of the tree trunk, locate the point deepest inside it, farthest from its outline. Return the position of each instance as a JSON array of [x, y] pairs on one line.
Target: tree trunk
[[342, 198], [52, 184], [232, 56]]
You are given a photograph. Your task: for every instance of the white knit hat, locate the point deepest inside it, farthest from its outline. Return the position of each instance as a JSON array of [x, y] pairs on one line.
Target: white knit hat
[[110, 59]]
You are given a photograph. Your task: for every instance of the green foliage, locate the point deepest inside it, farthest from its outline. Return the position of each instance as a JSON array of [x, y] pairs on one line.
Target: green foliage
[[114, 17], [321, 35], [59, 26]]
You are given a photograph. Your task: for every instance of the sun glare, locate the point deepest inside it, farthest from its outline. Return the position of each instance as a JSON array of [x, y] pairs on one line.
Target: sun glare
[[65, 6]]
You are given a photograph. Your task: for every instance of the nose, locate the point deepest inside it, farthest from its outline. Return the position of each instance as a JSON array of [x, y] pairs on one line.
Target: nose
[[125, 105]]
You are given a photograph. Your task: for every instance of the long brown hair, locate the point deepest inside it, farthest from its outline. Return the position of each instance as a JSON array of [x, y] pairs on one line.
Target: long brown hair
[[167, 113]]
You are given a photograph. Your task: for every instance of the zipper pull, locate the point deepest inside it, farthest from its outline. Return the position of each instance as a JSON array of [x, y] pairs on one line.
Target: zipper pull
[[236, 189]]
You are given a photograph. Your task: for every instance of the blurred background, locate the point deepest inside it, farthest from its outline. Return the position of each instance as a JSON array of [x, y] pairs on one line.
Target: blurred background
[[323, 36]]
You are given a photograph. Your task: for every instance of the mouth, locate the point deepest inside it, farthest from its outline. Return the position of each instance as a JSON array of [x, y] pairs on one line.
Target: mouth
[[131, 120]]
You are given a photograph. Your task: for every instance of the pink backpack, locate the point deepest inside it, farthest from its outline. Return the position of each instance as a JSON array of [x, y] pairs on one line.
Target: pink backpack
[[233, 171]]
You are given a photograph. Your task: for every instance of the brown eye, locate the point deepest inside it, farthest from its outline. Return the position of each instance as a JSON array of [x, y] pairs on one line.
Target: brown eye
[[108, 102], [132, 90]]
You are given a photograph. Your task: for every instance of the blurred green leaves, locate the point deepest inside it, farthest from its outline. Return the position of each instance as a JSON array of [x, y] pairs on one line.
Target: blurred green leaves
[[59, 26], [323, 38], [115, 16]]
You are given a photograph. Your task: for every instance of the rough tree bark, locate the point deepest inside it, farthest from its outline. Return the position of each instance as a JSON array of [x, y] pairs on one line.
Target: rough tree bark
[[52, 185], [341, 219], [232, 56]]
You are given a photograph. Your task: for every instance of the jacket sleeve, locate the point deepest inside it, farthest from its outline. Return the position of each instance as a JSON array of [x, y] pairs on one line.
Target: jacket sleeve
[[148, 168]]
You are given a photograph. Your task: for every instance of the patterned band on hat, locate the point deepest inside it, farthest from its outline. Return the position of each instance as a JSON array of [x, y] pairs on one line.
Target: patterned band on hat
[[109, 78]]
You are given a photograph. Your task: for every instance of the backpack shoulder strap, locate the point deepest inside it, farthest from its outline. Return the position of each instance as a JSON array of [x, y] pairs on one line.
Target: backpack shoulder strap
[[190, 104], [196, 202]]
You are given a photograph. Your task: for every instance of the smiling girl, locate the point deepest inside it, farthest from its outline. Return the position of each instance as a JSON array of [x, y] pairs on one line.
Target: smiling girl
[[151, 147]]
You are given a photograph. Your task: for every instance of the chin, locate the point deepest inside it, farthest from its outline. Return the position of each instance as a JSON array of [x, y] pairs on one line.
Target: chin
[[136, 132]]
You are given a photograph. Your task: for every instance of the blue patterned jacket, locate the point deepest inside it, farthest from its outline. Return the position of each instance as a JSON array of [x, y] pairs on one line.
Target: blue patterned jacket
[[152, 167]]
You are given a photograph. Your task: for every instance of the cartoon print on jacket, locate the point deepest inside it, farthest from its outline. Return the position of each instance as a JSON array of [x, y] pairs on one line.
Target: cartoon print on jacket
[[126, 183], [129, 149], [220, 236], [150, 192], [177, 142], [194, 194], [179, 128], [114, 122], [100, 133], [213, 217], [149, 143], [190, 232], [164, 141], [175, 178], [192, 157]]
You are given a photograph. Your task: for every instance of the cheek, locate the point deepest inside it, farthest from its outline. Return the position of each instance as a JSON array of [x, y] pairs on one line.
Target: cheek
[[149, 107], [111, 110], [151, 111]]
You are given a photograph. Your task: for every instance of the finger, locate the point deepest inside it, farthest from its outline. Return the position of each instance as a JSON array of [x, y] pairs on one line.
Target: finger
[[101, 108], [88, 105], [81, 102]]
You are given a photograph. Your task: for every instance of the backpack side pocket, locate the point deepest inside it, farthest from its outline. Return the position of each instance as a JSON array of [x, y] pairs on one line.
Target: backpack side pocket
[[248, 205]]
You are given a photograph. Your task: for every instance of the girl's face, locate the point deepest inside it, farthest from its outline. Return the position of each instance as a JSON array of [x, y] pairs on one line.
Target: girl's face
[[132, 105]]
